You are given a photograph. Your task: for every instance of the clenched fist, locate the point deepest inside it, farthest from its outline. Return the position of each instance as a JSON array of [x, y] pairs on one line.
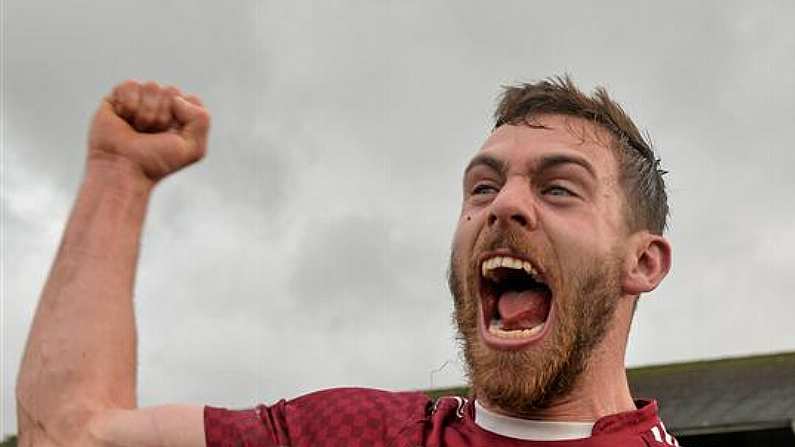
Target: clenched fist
[[155, 129]]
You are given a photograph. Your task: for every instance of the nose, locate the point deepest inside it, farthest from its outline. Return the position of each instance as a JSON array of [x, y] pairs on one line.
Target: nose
[[514, 206]]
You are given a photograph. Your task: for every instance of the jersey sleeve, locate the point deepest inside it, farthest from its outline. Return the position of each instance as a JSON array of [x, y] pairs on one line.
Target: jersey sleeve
[[336, 417], [261, 426]]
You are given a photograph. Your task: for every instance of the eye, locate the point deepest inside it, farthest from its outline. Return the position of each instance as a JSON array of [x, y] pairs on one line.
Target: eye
[[484, 188], [558, 191]]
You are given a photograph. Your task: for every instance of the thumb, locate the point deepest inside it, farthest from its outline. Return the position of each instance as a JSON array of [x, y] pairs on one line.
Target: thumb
[[194, 119]]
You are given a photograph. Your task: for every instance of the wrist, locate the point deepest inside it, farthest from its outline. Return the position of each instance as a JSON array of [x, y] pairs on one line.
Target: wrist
[[117, 173]]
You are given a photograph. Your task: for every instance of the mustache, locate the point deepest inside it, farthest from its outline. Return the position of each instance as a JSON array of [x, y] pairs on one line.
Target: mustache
[[506, 240], [520, 244]]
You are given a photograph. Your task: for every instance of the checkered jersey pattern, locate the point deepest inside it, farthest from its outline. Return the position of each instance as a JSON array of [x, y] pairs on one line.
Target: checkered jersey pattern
[[356, 417], [353, 417], [238, 428]]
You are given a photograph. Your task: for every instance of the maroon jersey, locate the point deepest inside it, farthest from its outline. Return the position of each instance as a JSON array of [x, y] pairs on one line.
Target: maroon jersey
[[357, 417]]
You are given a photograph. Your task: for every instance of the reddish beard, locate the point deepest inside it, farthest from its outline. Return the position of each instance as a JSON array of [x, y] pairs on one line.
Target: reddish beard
[[522, 382]]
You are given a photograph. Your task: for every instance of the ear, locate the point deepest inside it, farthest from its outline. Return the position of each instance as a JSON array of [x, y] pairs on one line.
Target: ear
[[646, 264]]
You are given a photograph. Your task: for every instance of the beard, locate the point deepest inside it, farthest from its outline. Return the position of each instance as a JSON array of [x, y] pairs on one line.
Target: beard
[[524, 381]]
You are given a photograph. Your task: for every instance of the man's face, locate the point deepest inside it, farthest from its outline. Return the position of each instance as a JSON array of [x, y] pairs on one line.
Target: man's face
[[536, 259]]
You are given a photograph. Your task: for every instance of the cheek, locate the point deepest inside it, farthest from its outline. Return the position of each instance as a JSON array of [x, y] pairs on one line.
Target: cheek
[[577, 242], [460, 246], [464, 240], [465, 231]]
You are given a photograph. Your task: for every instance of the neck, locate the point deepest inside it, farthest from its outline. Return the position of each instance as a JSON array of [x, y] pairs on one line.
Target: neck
[[602, 389]]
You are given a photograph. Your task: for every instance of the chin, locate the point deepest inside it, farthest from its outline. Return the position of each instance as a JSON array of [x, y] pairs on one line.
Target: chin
[[531, 356]]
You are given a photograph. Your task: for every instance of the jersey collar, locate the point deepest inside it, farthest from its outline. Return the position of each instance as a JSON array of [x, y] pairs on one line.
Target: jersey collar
[[527, 429], [642, 419]]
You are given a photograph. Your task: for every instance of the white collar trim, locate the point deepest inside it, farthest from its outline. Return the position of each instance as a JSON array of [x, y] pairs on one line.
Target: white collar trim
[[528, 429]]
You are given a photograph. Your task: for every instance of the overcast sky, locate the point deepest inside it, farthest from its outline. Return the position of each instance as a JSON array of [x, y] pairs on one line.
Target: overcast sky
[[309, 248]]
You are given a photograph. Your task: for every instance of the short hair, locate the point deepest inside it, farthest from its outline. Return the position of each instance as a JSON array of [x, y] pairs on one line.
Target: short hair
[[639, 168]]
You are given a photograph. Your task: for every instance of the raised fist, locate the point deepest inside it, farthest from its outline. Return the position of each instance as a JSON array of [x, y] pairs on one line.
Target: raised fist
[[154, 128]]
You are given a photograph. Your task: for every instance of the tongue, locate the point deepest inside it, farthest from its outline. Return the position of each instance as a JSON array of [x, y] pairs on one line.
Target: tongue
[[523, 309]]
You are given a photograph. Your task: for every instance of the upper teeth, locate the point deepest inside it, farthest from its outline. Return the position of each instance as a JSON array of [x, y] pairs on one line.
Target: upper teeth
[[508, 262]]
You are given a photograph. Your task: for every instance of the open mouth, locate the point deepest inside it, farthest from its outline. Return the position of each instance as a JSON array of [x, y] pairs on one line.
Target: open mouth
[[515, 302]]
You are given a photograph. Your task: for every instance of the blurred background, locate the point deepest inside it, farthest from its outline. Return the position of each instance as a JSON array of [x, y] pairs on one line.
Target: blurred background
[[309, 249]]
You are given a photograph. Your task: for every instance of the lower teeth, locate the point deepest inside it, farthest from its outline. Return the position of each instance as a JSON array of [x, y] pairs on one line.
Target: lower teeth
[[495, 328]]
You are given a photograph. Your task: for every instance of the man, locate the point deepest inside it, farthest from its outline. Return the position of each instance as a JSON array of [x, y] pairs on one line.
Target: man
[[560, 232]]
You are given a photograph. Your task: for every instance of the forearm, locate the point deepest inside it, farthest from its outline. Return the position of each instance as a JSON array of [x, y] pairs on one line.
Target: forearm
[[76, 385], [81, 352]]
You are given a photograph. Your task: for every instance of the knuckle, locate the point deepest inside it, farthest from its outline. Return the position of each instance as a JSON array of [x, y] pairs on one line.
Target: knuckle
[[149, 101], [130, 96], [128, 84], [202, 123], [163, 114], [170, 90], [193, 99], [126, 90], [203, 116], [151, 87], [149, 94]]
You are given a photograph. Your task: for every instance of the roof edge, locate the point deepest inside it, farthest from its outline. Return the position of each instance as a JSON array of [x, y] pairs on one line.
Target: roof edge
[[733, 428], [734, 361]]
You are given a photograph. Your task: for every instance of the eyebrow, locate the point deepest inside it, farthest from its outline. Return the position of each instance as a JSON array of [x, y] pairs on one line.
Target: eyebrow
[[487, 160], [546, 162], [552, 161]]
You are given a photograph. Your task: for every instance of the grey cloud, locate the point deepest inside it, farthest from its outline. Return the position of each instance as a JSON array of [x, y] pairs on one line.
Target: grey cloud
[[348, 272]]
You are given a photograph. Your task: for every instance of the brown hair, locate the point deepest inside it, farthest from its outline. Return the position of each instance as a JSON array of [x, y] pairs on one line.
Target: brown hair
[[639, 168]]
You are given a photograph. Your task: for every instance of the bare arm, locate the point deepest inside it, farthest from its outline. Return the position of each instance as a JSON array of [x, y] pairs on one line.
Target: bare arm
[[77, 382]]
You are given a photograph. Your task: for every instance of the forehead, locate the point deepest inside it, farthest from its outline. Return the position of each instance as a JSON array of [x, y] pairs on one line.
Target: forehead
[[552, 135]]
